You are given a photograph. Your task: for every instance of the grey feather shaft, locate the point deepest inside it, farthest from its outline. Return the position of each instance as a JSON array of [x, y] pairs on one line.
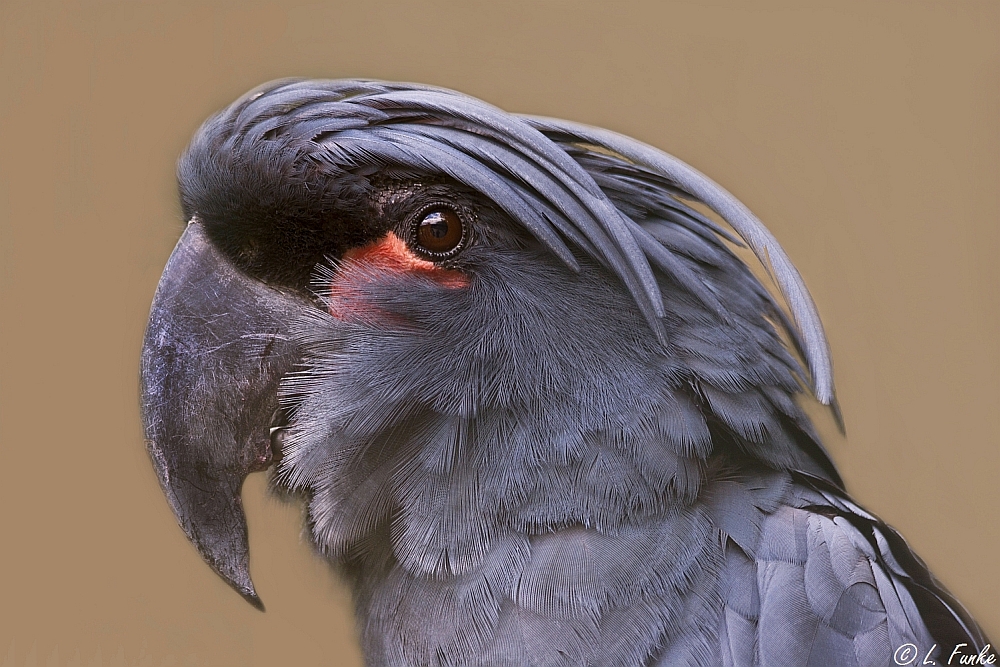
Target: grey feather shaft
[[746, 224]]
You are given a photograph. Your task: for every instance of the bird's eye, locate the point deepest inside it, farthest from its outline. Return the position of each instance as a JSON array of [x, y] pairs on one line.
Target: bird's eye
[[438, 233]]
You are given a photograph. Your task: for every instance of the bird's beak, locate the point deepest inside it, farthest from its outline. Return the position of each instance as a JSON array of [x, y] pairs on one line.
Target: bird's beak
[[215, 350]]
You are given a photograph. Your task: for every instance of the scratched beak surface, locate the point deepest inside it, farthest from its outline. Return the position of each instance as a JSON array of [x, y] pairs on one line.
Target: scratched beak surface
[[214, 352]]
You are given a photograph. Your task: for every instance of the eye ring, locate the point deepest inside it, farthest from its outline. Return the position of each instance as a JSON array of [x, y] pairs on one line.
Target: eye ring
[[438, 232]]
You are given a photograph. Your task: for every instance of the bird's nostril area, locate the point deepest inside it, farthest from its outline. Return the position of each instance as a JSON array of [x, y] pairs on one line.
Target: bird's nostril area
[[269, 452], [279, 427], [277, 441]]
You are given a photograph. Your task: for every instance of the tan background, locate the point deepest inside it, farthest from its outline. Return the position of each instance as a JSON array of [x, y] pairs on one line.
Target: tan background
[[866, 135]]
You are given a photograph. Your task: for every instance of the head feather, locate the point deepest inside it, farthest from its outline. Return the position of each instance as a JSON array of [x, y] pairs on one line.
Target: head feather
[[524, 164]]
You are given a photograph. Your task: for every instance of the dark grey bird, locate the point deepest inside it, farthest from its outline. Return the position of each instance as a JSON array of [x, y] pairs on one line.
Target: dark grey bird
[[541, 411]]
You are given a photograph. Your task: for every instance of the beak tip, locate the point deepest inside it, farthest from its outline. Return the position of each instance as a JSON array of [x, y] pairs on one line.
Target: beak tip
[[236, 573], [254, 600]]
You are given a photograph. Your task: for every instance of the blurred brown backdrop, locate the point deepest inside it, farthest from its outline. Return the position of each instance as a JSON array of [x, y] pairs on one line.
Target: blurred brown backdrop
[[864, 134]]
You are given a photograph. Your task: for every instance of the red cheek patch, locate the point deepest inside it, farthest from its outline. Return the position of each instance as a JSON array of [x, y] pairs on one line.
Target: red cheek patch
[[364, 265]]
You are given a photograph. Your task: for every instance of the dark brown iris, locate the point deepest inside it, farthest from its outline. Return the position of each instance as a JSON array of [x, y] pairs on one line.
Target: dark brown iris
[[439, 232]]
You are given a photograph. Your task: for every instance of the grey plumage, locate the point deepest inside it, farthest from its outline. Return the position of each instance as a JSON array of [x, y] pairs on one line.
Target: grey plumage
[[588, 453]]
